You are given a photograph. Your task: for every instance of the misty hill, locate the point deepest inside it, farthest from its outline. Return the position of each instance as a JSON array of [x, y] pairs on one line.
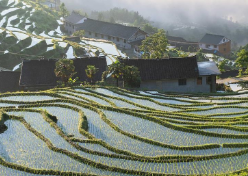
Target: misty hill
[[195, 30]]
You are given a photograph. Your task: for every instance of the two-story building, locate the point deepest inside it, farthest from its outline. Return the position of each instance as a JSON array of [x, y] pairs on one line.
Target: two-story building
[[216, 44], [123, 36]]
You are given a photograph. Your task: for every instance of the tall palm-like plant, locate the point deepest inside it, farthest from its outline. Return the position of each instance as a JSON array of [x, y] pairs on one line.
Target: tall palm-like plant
[[65, 69], [116, 70], [91, 72]]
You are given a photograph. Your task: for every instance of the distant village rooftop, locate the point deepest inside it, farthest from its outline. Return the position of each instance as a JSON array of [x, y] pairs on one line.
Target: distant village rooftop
[[74, 18], [106, 28], [212, 39]]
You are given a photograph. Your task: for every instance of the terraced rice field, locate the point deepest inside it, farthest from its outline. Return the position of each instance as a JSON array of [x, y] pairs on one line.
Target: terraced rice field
[[31, 31], [111, 131]]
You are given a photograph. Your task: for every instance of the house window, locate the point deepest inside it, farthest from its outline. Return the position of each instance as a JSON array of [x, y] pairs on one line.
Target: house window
[[209, 80], [125, 41], [208, 46], [199, 81], [117, 39], [109, 38], [182, 82], [102, 36], [215, 46], [224, 40], [113, 38], [96, 35], [89, 33]]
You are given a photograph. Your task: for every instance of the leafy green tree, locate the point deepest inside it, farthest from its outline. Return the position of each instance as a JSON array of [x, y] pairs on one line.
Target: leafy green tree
[[131, 76], [200, 56], [91, 72], [222, 65], [149, 28], [65, 70], [116, 70], [63, 11], [154, 46], [242, 60], [79, 33]]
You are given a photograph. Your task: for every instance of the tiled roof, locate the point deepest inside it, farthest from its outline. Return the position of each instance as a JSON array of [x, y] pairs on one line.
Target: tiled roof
[[159, 69], [175, 39], [106, 28], [74, 18], [212, 39], [41, 72], [9, 81], [38, 73]]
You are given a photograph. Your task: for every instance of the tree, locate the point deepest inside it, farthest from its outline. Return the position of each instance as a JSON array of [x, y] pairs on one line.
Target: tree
[[116, 69], [222, 65], [79, 33], [64, 69], [91, 72], [149, 28], [200, 56], [155, 45], [131, 76], [242, 60], [64, 12]]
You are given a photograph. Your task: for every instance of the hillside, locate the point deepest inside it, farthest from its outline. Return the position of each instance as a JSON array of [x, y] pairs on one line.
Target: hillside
[[110, 131], [32, 31]]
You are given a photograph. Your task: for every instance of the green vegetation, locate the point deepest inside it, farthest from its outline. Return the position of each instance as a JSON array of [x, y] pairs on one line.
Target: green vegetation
[[64, 70], [242, 60], [79, 33], [154, 46], [120, 15], [63, 11], [149, 28], [91, 72], [116, 70]]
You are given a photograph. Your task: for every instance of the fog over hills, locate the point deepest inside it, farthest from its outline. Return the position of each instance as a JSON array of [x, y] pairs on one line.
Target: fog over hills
[[170, 10], [190, 19]]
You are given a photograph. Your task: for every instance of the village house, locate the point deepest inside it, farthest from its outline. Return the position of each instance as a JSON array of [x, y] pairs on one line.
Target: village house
[[216, 44], [182, 44], [39, 74], [123, 36], [9, 80], [176, 74]]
